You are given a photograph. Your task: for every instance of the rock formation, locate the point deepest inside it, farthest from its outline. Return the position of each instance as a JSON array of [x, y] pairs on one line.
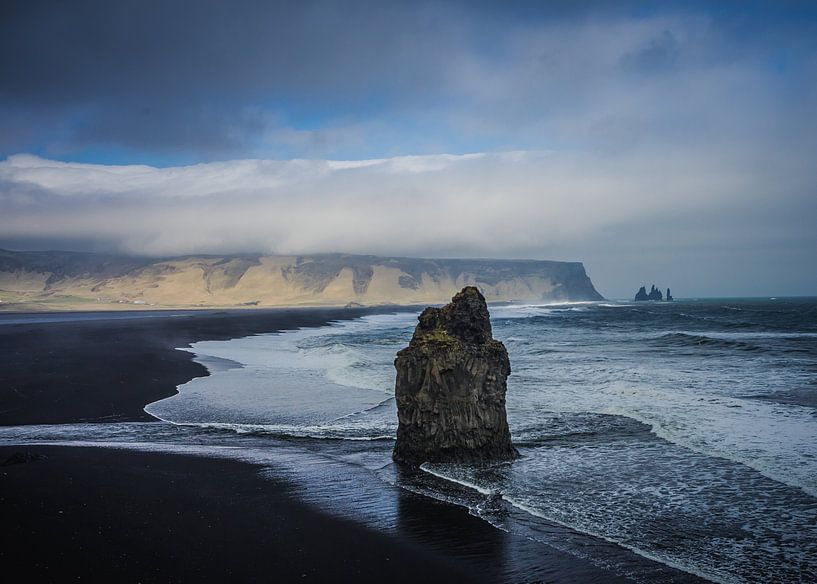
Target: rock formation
[[451, 384], [669, 296], [654, 294]]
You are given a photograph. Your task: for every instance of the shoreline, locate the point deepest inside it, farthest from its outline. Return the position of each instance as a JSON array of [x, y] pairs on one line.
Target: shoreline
[[107, 513], [97, 369], [138, 358]]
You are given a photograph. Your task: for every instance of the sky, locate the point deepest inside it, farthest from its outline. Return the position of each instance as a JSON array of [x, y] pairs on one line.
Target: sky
[[667, 143]]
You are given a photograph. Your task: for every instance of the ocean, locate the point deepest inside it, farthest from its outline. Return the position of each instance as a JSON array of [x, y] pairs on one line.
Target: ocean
[[680, 435]]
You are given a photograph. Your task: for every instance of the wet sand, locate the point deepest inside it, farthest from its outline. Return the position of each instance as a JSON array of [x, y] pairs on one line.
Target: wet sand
[[96, 514]]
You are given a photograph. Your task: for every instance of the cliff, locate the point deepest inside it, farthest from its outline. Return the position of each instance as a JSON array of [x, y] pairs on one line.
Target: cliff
[[69, 280], [451, 385]]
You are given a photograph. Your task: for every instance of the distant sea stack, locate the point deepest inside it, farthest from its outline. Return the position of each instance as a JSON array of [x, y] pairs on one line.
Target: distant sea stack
[[654, 294], [451, 385], [70, 280]]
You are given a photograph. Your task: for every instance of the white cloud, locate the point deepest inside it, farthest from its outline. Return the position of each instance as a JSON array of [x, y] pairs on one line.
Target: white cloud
[[503, 204]]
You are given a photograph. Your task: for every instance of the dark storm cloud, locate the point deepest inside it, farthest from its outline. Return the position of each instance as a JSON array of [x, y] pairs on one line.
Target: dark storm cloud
[[64, 52], [121, 72], [233, 79]]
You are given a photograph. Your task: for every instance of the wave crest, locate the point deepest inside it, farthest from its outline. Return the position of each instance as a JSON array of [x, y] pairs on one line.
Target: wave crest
[[690, 340]]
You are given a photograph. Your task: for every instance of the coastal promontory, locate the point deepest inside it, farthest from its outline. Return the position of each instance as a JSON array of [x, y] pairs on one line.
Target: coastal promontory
[[37, 280], [451, 385]]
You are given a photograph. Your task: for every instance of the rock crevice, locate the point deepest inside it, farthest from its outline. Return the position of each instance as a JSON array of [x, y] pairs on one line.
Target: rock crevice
[[451, 385]]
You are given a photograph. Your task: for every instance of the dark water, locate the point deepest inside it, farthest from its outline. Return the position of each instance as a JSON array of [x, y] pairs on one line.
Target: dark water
[[677, 434]]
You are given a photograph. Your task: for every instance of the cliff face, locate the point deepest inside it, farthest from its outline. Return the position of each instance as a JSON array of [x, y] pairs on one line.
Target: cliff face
[[451, 385], [106, 281]]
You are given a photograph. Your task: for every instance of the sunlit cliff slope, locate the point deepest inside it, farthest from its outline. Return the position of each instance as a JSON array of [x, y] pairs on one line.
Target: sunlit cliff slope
[[60, 280]]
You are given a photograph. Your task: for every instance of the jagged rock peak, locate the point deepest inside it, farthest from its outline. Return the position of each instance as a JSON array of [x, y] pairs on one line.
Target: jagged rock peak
[[655, 294], [451, 385], [465, 318]]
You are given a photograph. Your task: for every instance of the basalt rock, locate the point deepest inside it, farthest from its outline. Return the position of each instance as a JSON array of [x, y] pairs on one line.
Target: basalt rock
[[655, 294], [451, 384]]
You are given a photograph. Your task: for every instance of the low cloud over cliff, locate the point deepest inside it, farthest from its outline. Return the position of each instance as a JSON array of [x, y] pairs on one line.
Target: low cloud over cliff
[[520, 204]]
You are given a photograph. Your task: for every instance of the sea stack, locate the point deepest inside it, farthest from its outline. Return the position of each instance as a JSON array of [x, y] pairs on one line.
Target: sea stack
[[655, 294], [451, 384]]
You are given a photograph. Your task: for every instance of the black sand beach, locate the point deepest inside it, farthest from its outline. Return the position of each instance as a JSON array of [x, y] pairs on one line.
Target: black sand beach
[[101, 514], [109, 366], [96, 514]]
